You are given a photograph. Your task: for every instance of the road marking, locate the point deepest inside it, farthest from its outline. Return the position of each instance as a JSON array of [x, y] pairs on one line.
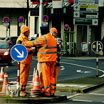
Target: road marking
[[71, 85], [96, 94], [101, 76], [82, 100], [81, 71], [82, 66], [69, 97], [62, 67]]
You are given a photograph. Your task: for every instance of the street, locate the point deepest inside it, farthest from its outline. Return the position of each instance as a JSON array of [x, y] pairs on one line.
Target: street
[[69, 69], [79, 68]]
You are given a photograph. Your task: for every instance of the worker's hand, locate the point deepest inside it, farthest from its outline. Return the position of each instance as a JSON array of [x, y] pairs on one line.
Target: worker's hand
[[32, 49]]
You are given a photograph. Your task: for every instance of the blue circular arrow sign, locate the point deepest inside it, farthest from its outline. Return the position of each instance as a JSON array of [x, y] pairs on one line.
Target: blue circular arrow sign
[[19, 52]]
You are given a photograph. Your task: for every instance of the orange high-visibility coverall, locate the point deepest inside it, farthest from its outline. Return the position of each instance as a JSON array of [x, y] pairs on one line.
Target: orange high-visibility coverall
[[59, 47], [47, 54], [25, 64]]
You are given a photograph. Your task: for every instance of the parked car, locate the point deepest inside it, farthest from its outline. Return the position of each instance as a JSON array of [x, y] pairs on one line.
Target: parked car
[[12, 40], [5, 57], [2, 38]]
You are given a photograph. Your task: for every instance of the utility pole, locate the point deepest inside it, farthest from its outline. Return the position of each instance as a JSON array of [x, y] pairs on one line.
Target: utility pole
[[27, 12], [40, 16]]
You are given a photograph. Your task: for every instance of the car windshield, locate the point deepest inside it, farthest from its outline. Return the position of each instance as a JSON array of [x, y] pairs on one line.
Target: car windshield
[[3, 45]]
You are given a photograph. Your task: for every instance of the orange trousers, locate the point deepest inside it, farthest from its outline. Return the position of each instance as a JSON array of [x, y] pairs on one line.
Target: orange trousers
[[47, 77], [56, 72], [24, 74]]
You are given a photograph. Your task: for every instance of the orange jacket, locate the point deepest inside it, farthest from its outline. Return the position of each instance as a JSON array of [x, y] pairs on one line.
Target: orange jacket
[[47, 47], [23, 38]]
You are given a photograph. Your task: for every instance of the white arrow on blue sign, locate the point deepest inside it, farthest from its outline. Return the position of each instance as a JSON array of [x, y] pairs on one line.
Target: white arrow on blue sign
[[19, 52]]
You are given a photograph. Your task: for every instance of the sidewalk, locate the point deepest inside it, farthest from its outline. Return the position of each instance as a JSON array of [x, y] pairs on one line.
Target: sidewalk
[[66, 89], [81, 85], [31, 100]]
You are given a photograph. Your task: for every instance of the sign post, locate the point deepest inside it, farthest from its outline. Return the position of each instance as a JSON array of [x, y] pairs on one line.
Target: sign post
[[21, 20], [40, 16], [96, 47], [18, 53], [45, 18], [97, 59], [6, 21], [86, 12]]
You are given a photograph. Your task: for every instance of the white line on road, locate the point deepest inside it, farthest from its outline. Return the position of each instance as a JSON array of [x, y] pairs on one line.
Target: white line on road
[[96, 94], [82, 100], [83, 66], [69, 97]]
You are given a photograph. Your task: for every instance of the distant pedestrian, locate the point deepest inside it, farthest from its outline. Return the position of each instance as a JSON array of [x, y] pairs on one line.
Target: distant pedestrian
[[57, 66], [25, 64]]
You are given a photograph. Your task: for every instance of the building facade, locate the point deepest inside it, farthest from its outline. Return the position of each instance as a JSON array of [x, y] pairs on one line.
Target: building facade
[[76, 34], [10, 11]]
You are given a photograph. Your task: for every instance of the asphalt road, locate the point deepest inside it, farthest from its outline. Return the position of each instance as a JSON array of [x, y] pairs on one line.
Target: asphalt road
[[79, 68], [69, 69]]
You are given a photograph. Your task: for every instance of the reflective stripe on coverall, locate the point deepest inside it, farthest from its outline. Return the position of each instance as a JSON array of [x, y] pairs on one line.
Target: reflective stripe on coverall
[[47, 54], [24, 65]]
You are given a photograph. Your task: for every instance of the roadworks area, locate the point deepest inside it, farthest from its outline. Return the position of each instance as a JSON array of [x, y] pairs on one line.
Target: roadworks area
[[81, 85]]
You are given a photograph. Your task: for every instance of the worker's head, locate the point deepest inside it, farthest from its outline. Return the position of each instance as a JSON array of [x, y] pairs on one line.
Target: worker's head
[[25, 30], [44, 29], [54, 32]]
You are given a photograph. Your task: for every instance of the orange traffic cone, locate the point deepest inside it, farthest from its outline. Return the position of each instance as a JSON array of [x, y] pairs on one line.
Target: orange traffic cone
[[5, 83], [2, 74], [35, 91]]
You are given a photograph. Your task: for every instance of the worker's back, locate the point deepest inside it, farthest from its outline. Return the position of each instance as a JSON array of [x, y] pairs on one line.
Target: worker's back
[[48, 49]]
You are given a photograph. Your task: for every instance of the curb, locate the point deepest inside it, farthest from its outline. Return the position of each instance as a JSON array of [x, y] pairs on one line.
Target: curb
[[92, 88], [32, 100]]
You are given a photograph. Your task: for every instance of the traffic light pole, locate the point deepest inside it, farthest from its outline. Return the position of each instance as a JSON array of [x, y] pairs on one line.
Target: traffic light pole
[[40, 16]]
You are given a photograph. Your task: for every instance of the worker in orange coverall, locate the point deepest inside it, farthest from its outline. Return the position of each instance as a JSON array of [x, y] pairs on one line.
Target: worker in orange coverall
[[25, 64], [57, 66], [47, 55]]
